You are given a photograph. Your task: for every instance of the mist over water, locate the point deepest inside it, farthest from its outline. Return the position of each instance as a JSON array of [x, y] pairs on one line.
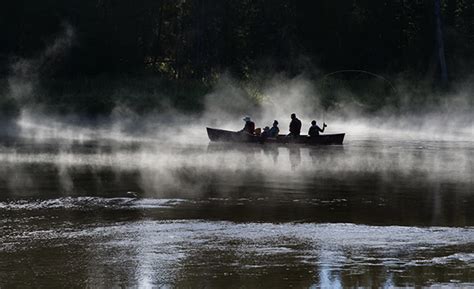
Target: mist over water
[[163, 206], [146, 200], [111, 181]]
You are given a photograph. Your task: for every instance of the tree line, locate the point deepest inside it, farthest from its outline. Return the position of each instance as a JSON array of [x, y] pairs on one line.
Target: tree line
[[199, 39]]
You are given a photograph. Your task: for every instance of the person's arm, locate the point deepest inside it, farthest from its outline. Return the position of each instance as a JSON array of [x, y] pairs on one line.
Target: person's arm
[[324, 126]]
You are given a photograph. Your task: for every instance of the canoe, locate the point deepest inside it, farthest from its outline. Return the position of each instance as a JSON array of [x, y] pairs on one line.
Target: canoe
[[220, 135]]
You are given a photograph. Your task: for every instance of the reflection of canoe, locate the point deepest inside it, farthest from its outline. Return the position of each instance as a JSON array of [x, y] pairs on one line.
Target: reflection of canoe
[[232, 136]]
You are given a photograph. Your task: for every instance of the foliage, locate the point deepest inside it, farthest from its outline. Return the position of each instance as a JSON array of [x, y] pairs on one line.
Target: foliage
[[181, 47], [198, 39]]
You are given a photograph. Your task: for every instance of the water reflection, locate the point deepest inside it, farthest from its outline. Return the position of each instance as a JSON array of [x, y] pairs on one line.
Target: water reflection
[[370, 185], [144, 215], [294, 153], [271, 151], [329, 278], [145, 252]]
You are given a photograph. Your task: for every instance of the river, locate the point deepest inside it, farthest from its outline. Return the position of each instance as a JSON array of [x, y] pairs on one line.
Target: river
[[375, 212]]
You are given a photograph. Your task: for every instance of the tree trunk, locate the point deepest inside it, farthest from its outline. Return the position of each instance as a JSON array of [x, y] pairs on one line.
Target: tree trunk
[[440, 43]]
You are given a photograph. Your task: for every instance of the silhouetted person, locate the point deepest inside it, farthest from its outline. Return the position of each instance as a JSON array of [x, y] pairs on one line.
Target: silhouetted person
[[249, 125], [314, 130], [295, 126], [265, 133], [274, 131]]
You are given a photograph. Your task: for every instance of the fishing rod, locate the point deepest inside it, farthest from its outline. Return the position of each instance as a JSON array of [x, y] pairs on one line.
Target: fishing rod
[[358, 71], [363, 72]]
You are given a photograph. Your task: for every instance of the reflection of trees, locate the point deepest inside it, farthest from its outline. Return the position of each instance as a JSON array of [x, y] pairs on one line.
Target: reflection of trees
[[105, 247], [147, 251], [59, 180], [44, 265], [361, 186], [237, 262]]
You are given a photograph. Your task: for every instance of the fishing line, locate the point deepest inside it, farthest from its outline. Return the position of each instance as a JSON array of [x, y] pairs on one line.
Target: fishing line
[[364, 72], [358, 71]]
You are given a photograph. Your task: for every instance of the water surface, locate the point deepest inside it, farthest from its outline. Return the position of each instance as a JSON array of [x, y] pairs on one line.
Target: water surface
[[101, 213]]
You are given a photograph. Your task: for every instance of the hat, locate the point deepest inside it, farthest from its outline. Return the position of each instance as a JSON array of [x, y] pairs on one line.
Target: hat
[[247, 118]]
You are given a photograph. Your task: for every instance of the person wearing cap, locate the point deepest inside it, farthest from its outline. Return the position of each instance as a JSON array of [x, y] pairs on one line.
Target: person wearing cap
[[295, 126], [314, 129], [274, 131], [249, 126]]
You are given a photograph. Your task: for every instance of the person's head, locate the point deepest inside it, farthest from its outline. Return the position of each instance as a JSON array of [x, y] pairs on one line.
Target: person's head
[[266, 128], [293, 116], [247, 118], [313, 122], [275, 123]]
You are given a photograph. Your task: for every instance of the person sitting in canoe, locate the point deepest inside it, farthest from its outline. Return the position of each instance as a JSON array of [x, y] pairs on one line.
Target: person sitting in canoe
[[265, 133], [295, 126], [249, 126], [315, 129], [274, 131]]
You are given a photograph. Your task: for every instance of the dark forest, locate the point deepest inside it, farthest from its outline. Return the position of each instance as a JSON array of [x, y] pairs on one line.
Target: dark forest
[[182, 47]]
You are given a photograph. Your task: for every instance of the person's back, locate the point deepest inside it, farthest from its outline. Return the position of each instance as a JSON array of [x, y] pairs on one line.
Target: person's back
[[249, 127], [274, 131], [314, 129], [266, 132], [295, 126]]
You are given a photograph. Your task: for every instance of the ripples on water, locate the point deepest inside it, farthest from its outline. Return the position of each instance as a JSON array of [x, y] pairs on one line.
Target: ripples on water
[[369, 213]]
